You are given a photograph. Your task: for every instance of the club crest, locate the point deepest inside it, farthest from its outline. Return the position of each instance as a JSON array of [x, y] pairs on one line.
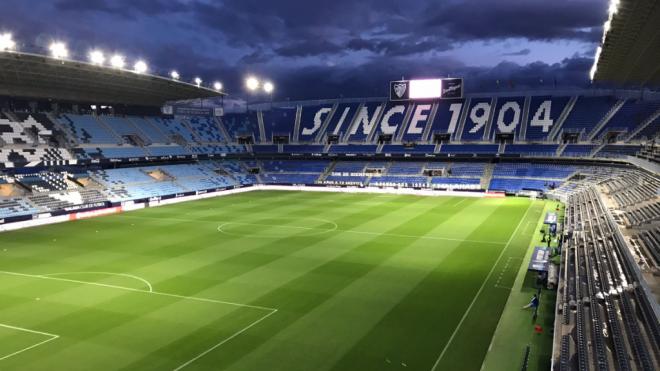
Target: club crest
[[400, 89]]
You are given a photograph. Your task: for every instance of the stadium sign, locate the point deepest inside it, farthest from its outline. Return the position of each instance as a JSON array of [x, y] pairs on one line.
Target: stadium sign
[[404, 90]]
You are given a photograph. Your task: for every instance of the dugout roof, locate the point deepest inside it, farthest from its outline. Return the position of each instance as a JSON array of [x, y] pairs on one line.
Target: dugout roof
[[28, 75]]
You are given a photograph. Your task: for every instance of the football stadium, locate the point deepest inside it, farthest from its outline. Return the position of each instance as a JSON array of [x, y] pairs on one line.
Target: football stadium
[[148, 224]]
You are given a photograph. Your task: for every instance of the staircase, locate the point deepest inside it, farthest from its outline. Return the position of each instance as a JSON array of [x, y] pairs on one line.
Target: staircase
[[608, 116], [596, 150], [561, 149], [354, 121], [326, 148], [501, 148], [488, 175], [72, 139], [379, 149], [560, 121], [429, 124], [262, 130], [461, 124], [327, 172], [437, 148], [296, 124], [109, 129], [525, 119], [404, 124], [489, 123], [223, 130], [643, 125], [324, 126]]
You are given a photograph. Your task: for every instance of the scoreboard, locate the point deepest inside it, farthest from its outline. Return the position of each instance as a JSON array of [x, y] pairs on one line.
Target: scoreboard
[[447, 88]]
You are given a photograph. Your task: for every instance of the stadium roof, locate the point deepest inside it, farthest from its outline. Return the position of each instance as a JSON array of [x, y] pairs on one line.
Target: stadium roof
[[630, 52], [36, 76]]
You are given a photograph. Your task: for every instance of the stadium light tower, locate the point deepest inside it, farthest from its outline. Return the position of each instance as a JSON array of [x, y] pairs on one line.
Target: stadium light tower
[[217, 86], [175, 75], [140, 67], [7, 42], [269, 87], [198, 81], [117, 61], [58, 50], [252, 83], [97, 57]]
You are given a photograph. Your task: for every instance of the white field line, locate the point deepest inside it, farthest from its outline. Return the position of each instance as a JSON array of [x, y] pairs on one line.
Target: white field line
[[271, 311], [467, 311], [51, 337], [194, 298], [224, 341], [151, 289], [224, 223], [460, 202]]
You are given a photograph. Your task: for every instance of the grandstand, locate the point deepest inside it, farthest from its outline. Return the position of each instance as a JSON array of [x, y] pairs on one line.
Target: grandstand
[[361, 233]]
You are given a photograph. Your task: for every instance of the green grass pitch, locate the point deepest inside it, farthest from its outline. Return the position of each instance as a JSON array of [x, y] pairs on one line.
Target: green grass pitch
[[265, 281]]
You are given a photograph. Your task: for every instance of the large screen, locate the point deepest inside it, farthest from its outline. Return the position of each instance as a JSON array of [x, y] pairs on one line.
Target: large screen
[[426, 89]]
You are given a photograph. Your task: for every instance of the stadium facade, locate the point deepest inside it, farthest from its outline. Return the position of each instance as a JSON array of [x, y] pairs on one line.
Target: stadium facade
[[594, 150]]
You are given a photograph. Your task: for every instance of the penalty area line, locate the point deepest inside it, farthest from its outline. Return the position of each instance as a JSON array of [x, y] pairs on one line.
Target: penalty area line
[[483, 285], [51, 337]]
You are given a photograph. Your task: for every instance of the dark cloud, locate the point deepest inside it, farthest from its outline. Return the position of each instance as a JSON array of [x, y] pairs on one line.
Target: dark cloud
[[518, 53], [125, 8], [315, 48], [529, 19]]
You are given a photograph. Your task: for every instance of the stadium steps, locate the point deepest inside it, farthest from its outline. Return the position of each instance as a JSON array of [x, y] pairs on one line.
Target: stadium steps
[[561, 149], [324, 126], [596, 150], [327, 171], [326, 148], [562, 118], [461, 124], [296, 124], [107, 127], [404, 125], [487, 176], [223, 130], [379, 149], [489, 123], [501, 148], [157, 127], [437, 148], [374, 130], [429, 123], [280, 148], [64, 128], [608, 116], [146, 140], [262, 130], [643, 125], [354, 119], [525, 119], [186, 124]]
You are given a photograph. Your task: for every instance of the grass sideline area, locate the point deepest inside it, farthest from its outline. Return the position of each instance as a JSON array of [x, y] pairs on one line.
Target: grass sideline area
[[516, 328], [270, 280]]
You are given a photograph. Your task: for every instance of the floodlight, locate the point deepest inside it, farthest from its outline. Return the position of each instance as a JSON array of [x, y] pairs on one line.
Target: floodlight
[[217, 86], [58, 50], [198, 81], [269, 87], [175, 75], [140, 67], [117, 61], [7, 42], [96, 57], [252, 83]]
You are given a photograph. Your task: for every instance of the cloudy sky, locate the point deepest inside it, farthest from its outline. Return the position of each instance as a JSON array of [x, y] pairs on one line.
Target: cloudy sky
[[328, 48]]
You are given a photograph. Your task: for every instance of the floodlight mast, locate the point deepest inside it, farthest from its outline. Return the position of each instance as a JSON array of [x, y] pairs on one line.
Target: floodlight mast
[[58, 50], [7, 42]]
